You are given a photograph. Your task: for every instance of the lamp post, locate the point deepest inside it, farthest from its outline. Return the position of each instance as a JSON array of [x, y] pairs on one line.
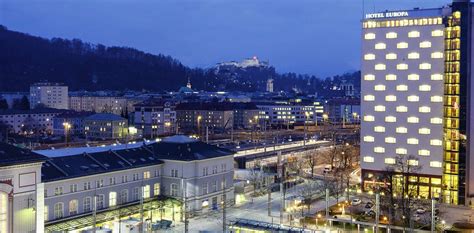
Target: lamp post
[[66, 126], [199, 118]]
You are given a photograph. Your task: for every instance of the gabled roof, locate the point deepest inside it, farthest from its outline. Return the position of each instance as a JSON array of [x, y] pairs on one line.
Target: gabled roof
[[12, 155]]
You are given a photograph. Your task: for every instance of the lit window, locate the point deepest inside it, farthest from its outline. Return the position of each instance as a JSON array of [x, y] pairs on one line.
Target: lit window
[[402, 66], [390, 140], [369, 56], [369, 77], [412, 141], [413, 162], [391, 56], [414, 34], [379, 87], [389, 161], [424, 109], [402, 45], [425, 66], [369, 36], [402, 108], [436, 142], [368, 159], [437, 33], [380, 67], [424, 152], [424, 88], [436, 77], [369, 139], [425, 44], [413, 98], [379, 108], [413, 55], [436, 55], [390, 98], [413, 119], [391, 35], [390, 119], [369, 118], [401, 130], [436, 120], [436, 99], [424, 131], [369, 97], [379, 149], [413, 77], [436, 164], [380, 46], [390, 77], [401, 151], [402, 88], [379, 129]]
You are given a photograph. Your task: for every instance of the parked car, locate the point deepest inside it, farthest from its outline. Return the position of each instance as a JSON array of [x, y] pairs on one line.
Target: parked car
[[356, 202], [327, 169], [421, 210], [370, 213], [369, 205]]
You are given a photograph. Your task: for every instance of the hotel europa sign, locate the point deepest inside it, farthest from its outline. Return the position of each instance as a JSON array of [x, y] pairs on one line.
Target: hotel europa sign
[[386, 15]]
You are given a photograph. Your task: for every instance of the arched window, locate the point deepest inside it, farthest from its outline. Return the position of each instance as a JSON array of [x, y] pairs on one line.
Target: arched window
[[73, 205], [3, 212], [58, 210]]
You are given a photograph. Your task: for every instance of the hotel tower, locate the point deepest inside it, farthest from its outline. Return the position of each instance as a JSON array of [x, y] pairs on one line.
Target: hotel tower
[[417, 100]]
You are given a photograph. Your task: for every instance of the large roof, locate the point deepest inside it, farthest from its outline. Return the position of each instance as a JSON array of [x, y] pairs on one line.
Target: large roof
[[12, 155], [105, 117]]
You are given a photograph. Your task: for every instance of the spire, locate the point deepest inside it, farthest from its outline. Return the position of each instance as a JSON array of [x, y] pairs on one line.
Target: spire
[[189, 83]]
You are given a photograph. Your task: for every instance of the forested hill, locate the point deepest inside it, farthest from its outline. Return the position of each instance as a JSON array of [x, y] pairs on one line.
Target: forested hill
[[25, 59]]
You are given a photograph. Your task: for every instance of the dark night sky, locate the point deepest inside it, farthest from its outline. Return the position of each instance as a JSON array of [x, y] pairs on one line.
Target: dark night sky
[[320, 37]]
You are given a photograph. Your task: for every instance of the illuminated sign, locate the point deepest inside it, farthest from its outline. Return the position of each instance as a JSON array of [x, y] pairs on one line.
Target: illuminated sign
[[386, 15]]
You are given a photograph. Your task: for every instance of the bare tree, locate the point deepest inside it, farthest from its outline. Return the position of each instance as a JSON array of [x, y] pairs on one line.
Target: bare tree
[[309, 190], [312, 160]]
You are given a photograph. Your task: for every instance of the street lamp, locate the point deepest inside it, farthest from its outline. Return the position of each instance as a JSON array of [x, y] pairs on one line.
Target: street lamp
[[66, 126], [317, 219], [199, 118]]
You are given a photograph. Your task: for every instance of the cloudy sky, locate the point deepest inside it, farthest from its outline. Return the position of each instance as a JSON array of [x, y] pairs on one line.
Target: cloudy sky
[[320, 37]]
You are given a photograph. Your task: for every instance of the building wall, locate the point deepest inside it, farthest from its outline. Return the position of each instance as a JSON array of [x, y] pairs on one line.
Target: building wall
[[41, 121], [105, 129], [52, 96]]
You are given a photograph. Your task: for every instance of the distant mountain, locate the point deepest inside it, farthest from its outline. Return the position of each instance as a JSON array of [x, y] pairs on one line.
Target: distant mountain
[[25, 59]]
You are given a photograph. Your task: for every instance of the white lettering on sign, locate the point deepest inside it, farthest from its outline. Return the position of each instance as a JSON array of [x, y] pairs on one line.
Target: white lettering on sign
[[386, 15]]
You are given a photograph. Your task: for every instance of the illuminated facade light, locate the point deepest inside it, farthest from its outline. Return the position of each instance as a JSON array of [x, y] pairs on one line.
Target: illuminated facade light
[[390, 77], [413, 55], [401, 130], [413, 77], [391, 35], [369, 77], [369, 36], [414, 34], [402, 45], [380, 46]]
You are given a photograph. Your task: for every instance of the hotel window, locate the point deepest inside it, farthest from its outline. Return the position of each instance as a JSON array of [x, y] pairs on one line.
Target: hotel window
[[380, 67], [402, 108], [402, 66], [369, 97], [87, 205], [436, 99], [436, 33], [424, 152], [389, 161], [402, 88], [390, 119], [424, 131], [368, 159], [401, 130], [391, 35], [401, 151], [436, 142], [424, 109], [413, 162], [424, 88], [146, 191], [402, 45], [425, 66], [413, 77], [174, 190], [73, 206], [369, 139], [380, 46], [379, 149], [436, 120], [156, 189], [413, 55], [436, 55], [390, 98], [146, 175], [58, 210], [391, 56], [369, 56], [436, 77], [379, 87], [412, 141], [413, 119], [379, 129], [436, 164], [390, 140], [369, 118], [123, 196], [369, 77], [425, 44], [414, 34], [369, 36], [390, 77], [413, 98], [379, 108]]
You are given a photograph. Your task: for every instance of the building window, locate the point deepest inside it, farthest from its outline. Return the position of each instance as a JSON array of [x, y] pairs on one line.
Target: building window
[[402, 109], [425, 66], [436, 55], [214, 169], [379, 149], [413, 55], [112, 199], [424, 131], [389, 161], [391, 56], [436, 142], [402, 88], [136, 193], [379, 87], [46, 216], [414, 34], [174, 190], [437, 77], [224, 167], [369, 98], [390, 77], [436, 121], [390, 98], [412, 141], [156, 189], [380, 67], [124, 196], [146, 191], [369, 139], [402, 66], [369, 57], [174, 173], [368, 159], [205, 171], [214, 186], [4, 212], [436, 164], [401, 130], [204, 189], [413, 162], [146, 175], [424, 152], [413, 77], [369, 77], [424, 88], [86, 206], [402, 45], [379, 129], [401, 151], [100, 201], [424, 109], [73, 205], [413, 98], [369, 118], [58, 210], [436, 33], [425, 44], [390, 119], [369, 36], [390, 140], [380, 46], [379, 108], [413, 119], [73, 188], [391, 35], [436, 99], [111, 180], [58, 190]]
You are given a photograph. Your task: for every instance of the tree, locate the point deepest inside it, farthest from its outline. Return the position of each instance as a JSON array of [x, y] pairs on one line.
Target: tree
[[3, 104], [21, 104], [312, 160]]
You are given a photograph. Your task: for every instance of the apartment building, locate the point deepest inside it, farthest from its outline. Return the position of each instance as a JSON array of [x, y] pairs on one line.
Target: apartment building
[[50, 95]]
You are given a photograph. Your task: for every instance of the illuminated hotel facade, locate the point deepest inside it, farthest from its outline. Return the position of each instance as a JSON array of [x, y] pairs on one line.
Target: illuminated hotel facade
[[416, 99]]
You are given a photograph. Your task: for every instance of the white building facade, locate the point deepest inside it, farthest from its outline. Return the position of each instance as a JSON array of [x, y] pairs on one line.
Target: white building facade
[[51, 95]]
